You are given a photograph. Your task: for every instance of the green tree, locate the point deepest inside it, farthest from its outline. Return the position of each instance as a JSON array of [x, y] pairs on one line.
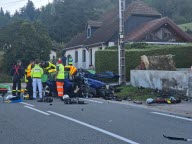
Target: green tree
[[25, 41], [28, 12], [178, 10], [4, 17], [64, 19]]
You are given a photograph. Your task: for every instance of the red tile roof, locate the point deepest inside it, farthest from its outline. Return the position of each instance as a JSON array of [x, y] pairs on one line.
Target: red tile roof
[[110, 24], [148, 27]]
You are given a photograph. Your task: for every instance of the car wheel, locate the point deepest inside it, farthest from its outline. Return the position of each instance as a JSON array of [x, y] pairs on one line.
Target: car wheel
[[101, 92]]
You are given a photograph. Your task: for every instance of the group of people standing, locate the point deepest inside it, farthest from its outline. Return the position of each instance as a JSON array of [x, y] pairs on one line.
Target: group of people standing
[[33, 74]]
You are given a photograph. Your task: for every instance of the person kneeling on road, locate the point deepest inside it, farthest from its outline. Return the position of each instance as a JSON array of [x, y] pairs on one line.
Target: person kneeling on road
[[36, 74], [60, 75]]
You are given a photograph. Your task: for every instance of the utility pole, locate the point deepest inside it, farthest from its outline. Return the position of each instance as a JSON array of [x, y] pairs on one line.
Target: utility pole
[[121, 49]]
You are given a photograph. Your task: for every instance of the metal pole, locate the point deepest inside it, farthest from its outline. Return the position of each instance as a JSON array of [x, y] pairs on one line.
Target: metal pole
[[121, 50]]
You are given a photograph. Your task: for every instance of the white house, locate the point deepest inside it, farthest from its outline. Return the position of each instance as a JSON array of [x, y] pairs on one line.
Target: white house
[[141, 24], [53, 54], [83, 57]]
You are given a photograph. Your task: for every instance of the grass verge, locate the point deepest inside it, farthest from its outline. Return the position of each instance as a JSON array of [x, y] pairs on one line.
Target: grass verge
[[134, 93]]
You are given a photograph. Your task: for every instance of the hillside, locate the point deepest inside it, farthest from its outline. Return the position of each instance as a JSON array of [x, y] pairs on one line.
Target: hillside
[[65, 19], [186, 27]]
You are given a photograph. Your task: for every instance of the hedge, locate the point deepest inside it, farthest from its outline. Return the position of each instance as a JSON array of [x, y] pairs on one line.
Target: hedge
[[107, 60]]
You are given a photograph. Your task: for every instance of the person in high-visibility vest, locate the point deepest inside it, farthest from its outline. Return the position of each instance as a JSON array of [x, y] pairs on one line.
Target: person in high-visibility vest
[[70, 61], [60, 76], [36, 74], [48, 66], [72, 70], [29, 79]]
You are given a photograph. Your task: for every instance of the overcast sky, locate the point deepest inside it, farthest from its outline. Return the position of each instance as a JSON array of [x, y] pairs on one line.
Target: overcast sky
[[13, 5]]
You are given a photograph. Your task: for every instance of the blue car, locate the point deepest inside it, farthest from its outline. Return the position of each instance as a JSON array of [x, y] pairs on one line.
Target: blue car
[[89, 85]]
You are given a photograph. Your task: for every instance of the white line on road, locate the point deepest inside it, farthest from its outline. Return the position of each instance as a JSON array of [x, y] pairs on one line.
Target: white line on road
[[27, 104], [37, 110], [174, 116], [91, 100], [95, 128]]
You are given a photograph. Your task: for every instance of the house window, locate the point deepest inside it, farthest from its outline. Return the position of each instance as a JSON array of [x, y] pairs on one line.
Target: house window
[[76, 56], [84, 56], [88, 32]]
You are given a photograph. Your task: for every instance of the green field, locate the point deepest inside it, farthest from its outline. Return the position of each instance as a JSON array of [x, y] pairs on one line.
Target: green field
[[187, 26]]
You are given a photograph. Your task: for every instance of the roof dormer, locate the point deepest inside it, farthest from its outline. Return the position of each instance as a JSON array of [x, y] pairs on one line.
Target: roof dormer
[[92, 26]]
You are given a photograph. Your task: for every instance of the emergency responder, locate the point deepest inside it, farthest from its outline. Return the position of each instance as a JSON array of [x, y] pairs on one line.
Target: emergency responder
[[17, 72], [64, 59], [70, 60], [60, 75], [36, 74], [72, 70], [48, 66], [29, 79]]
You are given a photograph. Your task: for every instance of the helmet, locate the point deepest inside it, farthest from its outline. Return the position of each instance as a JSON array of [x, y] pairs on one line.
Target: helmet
[[149, 101], [9, 97], [59, 61], [65, 96]]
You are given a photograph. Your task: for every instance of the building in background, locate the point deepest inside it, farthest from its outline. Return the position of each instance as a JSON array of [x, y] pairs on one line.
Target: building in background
[[142, 24]]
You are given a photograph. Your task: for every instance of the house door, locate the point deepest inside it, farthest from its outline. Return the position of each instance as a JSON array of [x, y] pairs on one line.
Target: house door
[[90, 57]]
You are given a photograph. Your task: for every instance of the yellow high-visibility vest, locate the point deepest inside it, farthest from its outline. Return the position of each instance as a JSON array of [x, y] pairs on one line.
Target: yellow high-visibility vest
[[61, 72], [36, 72]]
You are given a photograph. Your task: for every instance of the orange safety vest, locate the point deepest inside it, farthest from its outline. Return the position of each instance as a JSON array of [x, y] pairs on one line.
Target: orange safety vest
[[72, 70], [29, 68]]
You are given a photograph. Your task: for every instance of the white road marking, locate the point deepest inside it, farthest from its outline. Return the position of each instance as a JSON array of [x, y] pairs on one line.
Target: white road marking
[[95, 128], [37, 110], [174, 116], [91, 100], [27, 104]]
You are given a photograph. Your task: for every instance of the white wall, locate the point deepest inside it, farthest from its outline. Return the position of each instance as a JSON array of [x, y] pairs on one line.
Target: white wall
[[180, 81], [53, 53], [72, 53], [110, 44], [80, 63]]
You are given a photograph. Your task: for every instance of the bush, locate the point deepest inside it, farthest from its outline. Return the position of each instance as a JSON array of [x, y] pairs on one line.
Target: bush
[[5, 78], [108, 59]]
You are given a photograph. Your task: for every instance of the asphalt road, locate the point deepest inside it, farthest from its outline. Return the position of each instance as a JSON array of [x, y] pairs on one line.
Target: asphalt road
[[97, 122]]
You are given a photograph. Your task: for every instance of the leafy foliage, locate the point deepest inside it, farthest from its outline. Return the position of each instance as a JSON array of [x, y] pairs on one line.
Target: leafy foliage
[[65, 18], [105, 57], [4, 18], [25, 41], [178, 10], [186, 27]]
